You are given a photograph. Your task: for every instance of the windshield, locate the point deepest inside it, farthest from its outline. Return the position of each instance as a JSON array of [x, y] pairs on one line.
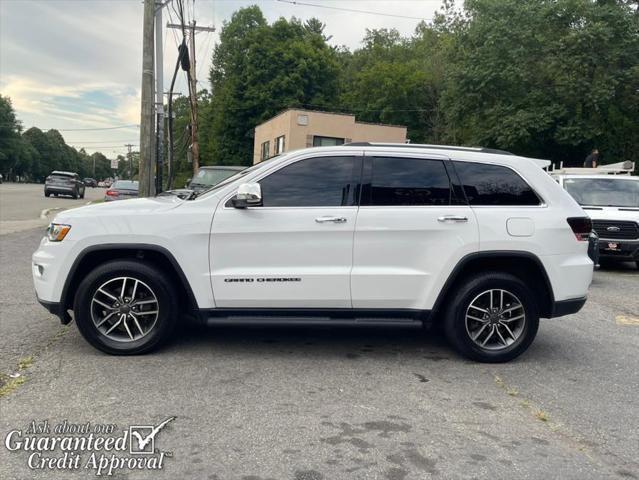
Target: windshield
[[210, 177], [236, 176], [604, 192], [125, 185]]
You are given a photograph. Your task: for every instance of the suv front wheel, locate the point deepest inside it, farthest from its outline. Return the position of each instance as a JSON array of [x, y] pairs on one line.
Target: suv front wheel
[[493, 317], [125, 307]]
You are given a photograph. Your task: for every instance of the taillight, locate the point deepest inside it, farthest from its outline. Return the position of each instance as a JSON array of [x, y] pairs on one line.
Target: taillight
[[581, 227], [112, 193]]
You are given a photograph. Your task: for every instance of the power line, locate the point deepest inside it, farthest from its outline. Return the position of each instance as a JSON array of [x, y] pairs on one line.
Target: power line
[[352, 10], [100, 141], [105, 146], [91, 129]]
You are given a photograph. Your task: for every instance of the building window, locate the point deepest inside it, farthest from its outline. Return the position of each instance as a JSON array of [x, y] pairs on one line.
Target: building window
[[279, 145], [265, 150], [327, 141]]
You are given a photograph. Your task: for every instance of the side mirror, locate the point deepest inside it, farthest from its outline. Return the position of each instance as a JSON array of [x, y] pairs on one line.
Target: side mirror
[[188, 182], [248, 195]]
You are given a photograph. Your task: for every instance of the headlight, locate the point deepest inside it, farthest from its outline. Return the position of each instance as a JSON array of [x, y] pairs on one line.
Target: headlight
[[56, 232]]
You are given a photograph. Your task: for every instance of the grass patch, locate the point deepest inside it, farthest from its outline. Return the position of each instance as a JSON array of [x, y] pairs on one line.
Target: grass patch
[[9, 385], [25, 362], [541, 415]]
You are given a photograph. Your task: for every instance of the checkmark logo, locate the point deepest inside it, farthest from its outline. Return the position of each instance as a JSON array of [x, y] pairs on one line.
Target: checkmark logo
[[142, 437]]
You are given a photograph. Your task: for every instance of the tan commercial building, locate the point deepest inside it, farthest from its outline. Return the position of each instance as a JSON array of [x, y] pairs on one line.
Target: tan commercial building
[[294, 129]]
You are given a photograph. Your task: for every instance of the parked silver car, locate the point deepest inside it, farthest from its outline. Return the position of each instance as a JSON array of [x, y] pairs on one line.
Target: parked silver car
[[122, 190]]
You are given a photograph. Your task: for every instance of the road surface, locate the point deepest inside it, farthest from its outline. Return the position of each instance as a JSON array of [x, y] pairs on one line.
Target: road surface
[[23, 204]]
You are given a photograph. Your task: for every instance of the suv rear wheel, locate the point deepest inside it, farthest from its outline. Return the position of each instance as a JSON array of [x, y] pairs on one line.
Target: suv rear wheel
[[493, 317], [125, 308]]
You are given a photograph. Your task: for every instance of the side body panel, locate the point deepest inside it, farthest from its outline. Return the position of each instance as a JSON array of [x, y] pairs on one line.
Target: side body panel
[[403, 254]]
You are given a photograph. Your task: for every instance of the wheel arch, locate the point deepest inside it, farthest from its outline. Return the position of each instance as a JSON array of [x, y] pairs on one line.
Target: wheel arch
[[523, 265], [156, 255]]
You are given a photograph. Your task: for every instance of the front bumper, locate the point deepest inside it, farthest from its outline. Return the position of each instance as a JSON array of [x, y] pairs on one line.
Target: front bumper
[[55, 308], [625, 250]]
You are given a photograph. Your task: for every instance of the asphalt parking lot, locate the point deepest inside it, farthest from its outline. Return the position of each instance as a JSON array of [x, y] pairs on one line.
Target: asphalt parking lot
[[321, 403]]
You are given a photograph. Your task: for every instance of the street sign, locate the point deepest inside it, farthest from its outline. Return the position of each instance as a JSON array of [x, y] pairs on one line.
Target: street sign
[[114, 163]]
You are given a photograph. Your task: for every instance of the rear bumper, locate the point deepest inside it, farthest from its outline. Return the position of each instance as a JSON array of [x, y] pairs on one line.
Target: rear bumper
[[567, 307], [59, 189]]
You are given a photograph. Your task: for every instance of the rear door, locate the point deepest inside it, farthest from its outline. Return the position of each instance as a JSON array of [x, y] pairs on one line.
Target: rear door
[[413, 226], [294, 251]]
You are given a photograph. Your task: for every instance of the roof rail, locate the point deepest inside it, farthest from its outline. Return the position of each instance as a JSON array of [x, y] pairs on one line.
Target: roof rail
[[621, 168], [434, 147]]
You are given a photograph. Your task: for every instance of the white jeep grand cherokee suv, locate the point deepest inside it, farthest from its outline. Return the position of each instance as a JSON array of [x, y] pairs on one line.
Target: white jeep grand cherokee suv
[[482, 241]]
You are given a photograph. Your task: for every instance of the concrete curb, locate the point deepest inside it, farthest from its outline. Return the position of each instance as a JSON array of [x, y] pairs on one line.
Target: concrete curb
[[44, 214]]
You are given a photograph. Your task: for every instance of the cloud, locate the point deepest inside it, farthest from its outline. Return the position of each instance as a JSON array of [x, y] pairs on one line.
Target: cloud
[[77, 64]]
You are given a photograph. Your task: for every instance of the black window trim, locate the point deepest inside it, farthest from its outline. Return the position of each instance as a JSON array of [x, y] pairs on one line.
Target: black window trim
[[367, 174], [542, 201], [357, 172]]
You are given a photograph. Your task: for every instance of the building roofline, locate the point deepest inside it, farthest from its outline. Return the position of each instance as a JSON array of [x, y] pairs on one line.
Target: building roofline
[[326, 112]]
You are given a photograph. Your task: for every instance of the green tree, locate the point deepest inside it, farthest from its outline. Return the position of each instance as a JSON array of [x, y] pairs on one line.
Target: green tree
[[15, 156], [396, 80], [546, 78], [259, 70]]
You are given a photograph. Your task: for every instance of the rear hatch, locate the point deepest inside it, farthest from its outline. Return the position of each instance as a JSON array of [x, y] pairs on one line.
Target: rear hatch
[[59, 179]]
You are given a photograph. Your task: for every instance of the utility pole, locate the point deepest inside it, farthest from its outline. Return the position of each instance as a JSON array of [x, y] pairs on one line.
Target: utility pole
[[147, 110], [195, 146], [159, 95], [128, 156]]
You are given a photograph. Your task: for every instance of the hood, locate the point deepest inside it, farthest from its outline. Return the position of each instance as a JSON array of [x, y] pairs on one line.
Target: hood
[[612, 213], [136, 206]]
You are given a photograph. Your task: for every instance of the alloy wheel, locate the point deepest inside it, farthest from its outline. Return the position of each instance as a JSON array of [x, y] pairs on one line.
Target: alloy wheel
[[124, 309], [495, 319]]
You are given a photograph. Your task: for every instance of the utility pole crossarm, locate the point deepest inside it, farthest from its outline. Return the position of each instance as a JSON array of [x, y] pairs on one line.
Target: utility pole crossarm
[[195, 28]]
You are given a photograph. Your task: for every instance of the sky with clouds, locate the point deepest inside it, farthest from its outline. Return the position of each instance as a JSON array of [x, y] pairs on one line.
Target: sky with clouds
[[76, 64]]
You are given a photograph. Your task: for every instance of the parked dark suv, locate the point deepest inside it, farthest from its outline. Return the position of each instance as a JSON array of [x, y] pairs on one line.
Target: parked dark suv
[[90, 182], [64, 183]]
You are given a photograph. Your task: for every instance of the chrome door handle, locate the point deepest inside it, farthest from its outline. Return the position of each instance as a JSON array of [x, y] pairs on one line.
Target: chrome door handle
[[452, 218], [330, 219]]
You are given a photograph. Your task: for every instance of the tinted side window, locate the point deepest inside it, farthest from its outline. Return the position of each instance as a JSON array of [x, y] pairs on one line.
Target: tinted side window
[[408, 181], [315, 182], [494, 185]]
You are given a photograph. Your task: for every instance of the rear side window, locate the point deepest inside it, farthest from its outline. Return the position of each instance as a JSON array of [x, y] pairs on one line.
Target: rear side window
[[494, 185], [314, 182], [407, 182]]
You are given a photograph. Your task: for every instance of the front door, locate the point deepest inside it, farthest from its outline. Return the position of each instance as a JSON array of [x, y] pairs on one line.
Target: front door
[[412, 229], [294, 251]]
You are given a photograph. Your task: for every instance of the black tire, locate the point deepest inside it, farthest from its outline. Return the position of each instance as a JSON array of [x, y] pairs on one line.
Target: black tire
[[459, 302], [75, 195], [155, 279], [82, 195], [47, 193]]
